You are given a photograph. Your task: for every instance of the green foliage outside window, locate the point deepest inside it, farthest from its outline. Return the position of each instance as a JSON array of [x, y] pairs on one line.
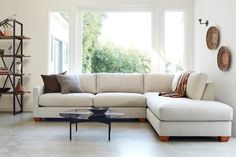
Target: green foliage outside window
[[108, 57]]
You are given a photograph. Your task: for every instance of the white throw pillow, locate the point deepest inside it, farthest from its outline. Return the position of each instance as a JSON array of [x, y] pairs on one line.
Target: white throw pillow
[[196, 85], [175, 81]]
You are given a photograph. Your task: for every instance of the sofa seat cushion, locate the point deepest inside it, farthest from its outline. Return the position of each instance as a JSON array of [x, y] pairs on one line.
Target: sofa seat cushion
[[119, 100], [185, 109], [66, 100]]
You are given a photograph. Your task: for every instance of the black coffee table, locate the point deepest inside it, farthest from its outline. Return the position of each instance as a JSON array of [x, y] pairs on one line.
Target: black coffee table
[[83, 115]]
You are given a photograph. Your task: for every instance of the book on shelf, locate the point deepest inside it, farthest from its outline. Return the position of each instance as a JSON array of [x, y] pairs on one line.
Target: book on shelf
[[4, 71]]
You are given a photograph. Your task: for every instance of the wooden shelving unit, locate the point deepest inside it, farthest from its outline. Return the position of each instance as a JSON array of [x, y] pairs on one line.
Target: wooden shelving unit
[[12, 77]]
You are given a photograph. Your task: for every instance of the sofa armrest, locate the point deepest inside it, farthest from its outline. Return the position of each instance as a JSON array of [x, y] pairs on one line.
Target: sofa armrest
[[209, 92], [37, 91]]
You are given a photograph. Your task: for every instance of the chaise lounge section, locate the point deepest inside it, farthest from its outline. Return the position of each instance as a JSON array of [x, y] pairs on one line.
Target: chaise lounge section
[[185, 117], [136, 95]]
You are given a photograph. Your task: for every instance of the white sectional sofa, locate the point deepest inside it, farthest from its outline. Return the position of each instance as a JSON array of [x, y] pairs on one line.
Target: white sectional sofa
[[136, 95]]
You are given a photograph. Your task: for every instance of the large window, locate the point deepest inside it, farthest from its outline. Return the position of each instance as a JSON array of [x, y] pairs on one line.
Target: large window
[[174, 41], [116, 41], [59, 40]]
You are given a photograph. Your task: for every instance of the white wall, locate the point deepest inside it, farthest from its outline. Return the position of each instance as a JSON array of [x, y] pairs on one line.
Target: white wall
[[222, 15], [34, 15]]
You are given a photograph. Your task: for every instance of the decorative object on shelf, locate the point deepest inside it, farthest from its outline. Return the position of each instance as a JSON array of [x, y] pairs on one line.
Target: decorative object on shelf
[[10, 47], [8, 31], [3, 90], [1, 33], [4, 71], [203, 23], [18, 67], [7, 22], [212, 38], [19, 87], [1, 51], [7, 25], [224, 58]]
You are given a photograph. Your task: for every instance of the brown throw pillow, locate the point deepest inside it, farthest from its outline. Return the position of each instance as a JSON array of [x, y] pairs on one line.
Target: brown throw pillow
[[51, 85], [69, 84]]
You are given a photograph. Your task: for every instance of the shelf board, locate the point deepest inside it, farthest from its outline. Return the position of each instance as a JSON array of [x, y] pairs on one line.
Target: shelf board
[[25, 92], [2, 74], [14, 37], [18, 56], [17, 93]]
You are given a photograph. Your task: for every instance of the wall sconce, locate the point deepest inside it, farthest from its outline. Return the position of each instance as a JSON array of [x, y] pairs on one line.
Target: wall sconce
[[203, 23]]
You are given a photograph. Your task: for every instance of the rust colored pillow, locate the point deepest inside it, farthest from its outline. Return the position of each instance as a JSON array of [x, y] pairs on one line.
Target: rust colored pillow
[[51, 85]]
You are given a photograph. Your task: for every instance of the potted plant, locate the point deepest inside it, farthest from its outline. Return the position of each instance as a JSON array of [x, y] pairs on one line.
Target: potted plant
[[7, 25]]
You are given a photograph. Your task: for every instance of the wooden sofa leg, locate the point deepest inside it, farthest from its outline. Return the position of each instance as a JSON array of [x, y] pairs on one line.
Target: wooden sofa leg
[[164, 138], [142, 119], [223, 138], [36, 119]]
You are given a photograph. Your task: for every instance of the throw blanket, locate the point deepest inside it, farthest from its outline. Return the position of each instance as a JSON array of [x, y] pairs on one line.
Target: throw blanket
[[180, 90]]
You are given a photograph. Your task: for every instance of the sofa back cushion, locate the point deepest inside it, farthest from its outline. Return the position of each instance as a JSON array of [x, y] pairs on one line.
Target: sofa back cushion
[[209, 93], [88, 82], [119, 82], [158, 82], [196, 85]]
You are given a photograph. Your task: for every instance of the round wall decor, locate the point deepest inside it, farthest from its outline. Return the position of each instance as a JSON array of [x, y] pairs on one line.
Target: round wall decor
[[212, 38], [224, 58]]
